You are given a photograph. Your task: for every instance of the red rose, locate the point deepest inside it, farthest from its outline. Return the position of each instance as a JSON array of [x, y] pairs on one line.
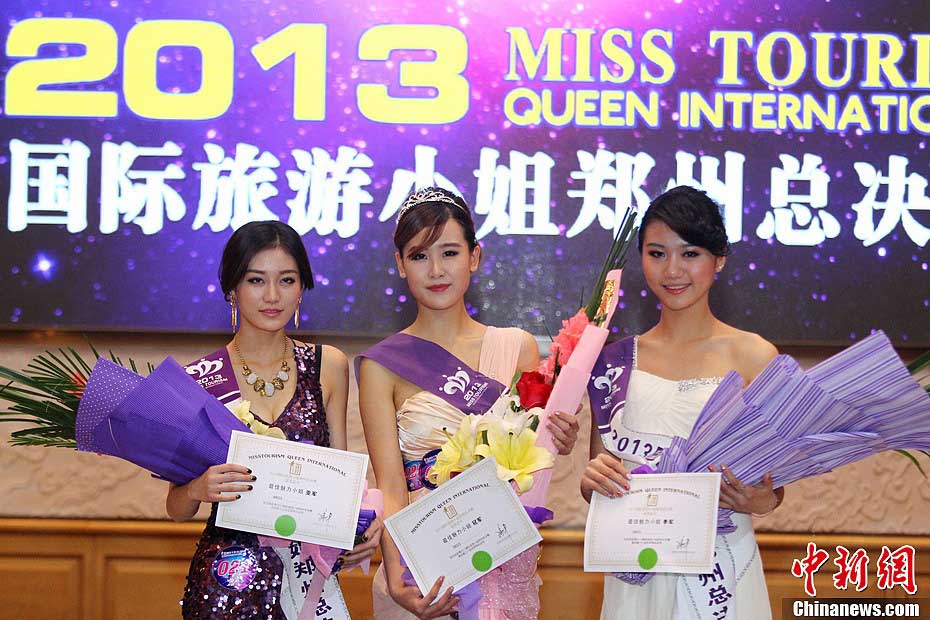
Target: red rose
[[533, 390]]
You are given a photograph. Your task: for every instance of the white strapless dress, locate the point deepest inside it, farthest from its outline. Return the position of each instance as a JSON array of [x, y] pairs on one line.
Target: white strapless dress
[[663, 406]]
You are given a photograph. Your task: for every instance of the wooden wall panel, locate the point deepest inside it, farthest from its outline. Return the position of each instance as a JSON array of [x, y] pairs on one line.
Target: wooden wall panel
[[356, 588], [36, 587], [44, 577], [116, 570], [143, 589]]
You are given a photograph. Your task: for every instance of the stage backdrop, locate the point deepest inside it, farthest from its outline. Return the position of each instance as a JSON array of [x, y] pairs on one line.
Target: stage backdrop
[[137, 136]]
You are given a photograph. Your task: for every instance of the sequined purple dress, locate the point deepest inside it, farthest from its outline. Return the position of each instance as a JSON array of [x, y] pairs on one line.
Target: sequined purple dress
[[204, 597]]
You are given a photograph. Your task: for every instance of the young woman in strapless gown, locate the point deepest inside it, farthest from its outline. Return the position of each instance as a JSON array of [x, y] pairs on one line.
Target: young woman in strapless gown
[[676, 366], [437, 253]]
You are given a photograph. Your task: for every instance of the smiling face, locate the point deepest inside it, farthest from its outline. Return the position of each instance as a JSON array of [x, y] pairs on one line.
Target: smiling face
[[269, 293], [438, 275], [680, 274]]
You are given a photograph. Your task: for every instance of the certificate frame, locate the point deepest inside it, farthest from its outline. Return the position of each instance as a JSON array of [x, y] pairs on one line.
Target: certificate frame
[[632, 533], [505, 529], [302, 491]]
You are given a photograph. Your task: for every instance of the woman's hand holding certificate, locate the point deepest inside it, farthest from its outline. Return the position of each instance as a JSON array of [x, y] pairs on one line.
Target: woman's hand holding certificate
[[663, 523], [301, 492], [466, 527]]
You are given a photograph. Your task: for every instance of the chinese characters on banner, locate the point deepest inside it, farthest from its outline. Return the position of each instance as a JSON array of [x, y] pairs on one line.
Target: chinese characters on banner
[[327, 192]]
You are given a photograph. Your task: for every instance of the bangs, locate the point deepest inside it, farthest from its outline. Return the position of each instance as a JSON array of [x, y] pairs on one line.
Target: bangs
[[429, 220], [432, 236]]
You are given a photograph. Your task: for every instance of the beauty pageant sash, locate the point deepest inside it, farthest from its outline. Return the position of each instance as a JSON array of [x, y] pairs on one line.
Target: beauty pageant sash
[[607, 392], [215, 374], [430, 367]]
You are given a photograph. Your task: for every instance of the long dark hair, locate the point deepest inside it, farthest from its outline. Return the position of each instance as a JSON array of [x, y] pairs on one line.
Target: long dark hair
[[253, 238], [692, 215], [432, 215]]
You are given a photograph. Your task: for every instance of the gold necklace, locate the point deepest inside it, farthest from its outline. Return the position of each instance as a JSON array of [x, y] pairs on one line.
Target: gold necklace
[[265, 388]]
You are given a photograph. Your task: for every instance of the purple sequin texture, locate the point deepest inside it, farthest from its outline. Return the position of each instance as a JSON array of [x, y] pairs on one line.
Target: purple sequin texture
[[302, 419]]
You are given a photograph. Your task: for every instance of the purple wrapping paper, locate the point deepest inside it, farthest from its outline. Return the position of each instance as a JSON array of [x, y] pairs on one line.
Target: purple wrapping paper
[[165, 423], [365, 519], [798, 424], [107, 386]]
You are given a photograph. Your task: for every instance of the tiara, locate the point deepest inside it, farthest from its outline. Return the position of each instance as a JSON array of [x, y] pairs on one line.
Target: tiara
[[427, 194]]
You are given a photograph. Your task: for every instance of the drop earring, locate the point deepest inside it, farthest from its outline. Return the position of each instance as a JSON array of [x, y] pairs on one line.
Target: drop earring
[[235, 314]]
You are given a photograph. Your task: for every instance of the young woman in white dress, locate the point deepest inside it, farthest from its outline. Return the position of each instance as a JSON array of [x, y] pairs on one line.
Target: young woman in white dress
[[676, 366]]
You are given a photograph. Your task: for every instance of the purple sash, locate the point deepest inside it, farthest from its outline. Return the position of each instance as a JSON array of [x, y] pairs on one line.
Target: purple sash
[[216, 375], [607, 391], [430, 367]]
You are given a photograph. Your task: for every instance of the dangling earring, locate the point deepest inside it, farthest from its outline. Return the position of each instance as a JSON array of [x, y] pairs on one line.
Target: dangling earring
[[297, 318], [235, 314]]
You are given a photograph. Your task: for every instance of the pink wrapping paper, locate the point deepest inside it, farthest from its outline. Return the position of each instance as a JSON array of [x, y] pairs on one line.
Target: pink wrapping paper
[[569, 389]]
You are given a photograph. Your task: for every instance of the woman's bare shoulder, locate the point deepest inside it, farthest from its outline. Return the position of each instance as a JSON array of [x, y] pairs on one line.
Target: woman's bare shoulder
[[334, 358], [750, 352], [529, 350]]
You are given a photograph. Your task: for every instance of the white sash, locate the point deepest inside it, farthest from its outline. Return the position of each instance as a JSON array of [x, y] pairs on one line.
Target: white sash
[[295, 581]]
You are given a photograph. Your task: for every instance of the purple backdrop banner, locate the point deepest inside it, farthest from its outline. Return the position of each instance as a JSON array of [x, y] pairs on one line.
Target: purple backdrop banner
[[135, 137]]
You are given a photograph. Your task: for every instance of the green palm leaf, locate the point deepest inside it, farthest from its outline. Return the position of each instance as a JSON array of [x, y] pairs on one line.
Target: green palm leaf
[[46, 395], [914, 460], [920, 370]]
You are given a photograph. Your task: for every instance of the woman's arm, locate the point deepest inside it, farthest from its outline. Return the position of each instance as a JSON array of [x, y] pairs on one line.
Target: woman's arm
[[595, 444], [334, 380], [379, 420], [529, 353], [753, 354]]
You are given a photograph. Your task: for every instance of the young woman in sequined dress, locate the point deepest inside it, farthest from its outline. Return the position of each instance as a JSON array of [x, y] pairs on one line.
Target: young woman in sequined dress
[[263, 274]]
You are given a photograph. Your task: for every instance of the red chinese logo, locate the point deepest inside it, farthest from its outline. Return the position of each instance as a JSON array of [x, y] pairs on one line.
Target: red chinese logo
[[809, 565], [853, 568], [894, 568]]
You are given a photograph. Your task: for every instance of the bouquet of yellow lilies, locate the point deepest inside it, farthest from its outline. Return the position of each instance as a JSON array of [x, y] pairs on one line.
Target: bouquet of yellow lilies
[[507, 432]]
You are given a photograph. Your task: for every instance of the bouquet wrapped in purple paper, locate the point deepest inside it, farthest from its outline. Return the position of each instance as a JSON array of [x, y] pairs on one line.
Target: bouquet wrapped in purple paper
[[165, 422], [797, 424]]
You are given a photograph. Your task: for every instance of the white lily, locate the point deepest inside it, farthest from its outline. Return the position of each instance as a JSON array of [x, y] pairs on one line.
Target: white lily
[[242, 410], [502, 416]]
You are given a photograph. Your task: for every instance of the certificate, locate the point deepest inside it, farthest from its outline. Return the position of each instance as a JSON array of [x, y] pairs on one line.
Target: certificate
[[468, 526], [301, 491], [666, 523]]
